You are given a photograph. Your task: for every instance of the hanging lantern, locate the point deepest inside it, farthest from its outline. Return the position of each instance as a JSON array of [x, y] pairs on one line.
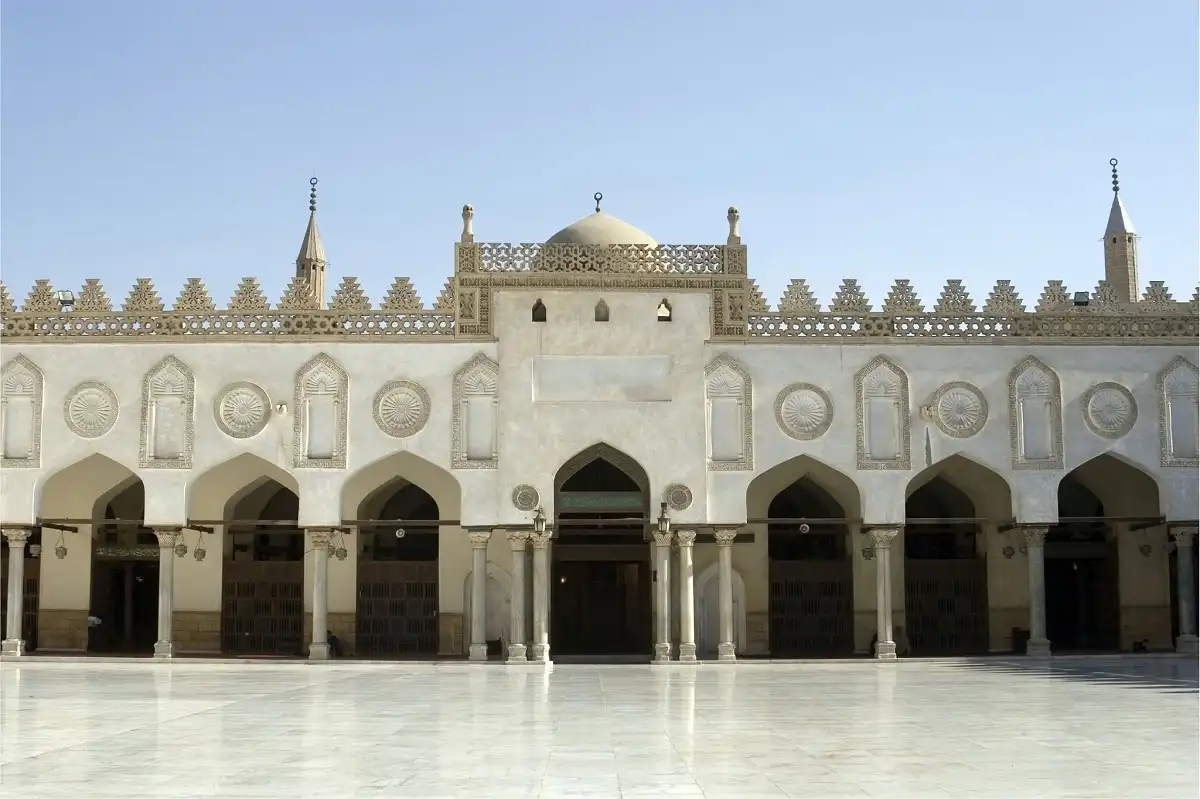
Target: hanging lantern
[[180, 549]]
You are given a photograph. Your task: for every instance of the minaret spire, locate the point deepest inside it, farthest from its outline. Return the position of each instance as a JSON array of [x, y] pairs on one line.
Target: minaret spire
[[1120, 246], [310, 264]]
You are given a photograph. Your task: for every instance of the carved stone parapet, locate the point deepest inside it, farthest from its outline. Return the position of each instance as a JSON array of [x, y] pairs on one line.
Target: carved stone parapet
[[662, 539], [1035, 534], [519, 539], [725, 536], [882, 537], [686, 538], [479, 538]]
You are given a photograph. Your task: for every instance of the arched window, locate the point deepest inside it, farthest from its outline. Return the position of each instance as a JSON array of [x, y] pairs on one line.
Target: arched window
[[539, 311], [664, 311], [602, 311]]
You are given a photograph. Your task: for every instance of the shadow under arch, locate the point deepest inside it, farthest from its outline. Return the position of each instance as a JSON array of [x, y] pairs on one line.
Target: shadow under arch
[[78, 489], [218, 491], [988, 491], [1128, 488], [375, 483], [611, 455], [808, 510]]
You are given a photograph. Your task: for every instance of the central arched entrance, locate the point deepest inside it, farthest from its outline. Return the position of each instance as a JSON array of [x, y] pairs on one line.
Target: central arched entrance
[[124, 593], [600, 572]]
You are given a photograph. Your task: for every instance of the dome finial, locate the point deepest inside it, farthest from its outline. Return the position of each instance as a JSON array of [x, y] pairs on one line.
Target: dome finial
[[734, 217], [1116, 184], [597, 197], [468, 231], [312, 196]]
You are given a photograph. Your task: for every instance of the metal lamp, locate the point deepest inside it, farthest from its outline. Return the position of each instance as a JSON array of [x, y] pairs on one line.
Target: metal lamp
[[664, 521], [539, 521]]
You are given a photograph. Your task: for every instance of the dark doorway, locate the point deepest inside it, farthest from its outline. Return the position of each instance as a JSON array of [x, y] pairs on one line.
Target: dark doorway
[[1082, 584], [396, 612], [600, 600], [945, 575], [1173, 561], [124, 595], [810, 573], [262, 591]]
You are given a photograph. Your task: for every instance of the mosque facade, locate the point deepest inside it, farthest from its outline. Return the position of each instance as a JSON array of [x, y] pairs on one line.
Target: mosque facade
[[600, 446]]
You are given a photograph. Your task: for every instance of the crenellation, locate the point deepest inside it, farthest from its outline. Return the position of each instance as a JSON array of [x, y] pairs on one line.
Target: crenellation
[[42, 298], [1105, 297], [143, 297], [7, 306], [902, 299], [798, 299], [299, 296], [1004, 300], [1157, 299], [249, 297], [756, 301], [350, 297], [445, 301], [194, 298], [1054, 298], [92, 297], [954, 299], [850, 299], [402, 297]]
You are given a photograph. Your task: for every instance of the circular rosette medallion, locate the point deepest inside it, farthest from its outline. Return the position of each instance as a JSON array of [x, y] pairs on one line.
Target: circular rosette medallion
[[1109, 409], [525, 497], [959, 409], [91, 409], [242, 410], [803, 411], [401, 408]]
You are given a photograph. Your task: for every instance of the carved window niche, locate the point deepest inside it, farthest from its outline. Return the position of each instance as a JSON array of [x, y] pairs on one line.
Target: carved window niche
[[319, 428], [1035, 416], [475, 414], [1179, 413], [21, 414], [882, 416], [168, 430], [729, 405]]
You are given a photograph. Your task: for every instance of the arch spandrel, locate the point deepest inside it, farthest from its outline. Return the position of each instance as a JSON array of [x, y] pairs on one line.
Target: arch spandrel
[[625, 463], [381, 477], [1126, 487], [214, 493], [989, 491], [72, 491], [765, 487]]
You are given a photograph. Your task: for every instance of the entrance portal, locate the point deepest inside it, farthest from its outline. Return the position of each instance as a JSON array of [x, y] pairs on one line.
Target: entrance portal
[[124, 602], [600, 600], [1082, 585]]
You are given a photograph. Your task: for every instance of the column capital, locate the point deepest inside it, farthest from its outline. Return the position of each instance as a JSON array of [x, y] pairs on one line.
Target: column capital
[[479, 538], [1184, 536], [320, 538], [518, 539], [882, 537], [1035, 534], [541, 540], [686, 538], [168, 537], [725, 536], [16, 536], [662, 539]]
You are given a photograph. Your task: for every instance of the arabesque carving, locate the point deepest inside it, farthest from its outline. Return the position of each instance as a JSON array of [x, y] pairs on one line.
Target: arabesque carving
[[1054, 297], [1105, 296], [850, 299], [445, 301], [799, 299], [756, 302], [7, 306], [1004, 300], [902, 299], [350, 297], [402, 297], [194, 298], [954, 299], [299, 296], [42, 298], [249, 297], [92, 297], [1157, 299], [143, 297], [664, 259]]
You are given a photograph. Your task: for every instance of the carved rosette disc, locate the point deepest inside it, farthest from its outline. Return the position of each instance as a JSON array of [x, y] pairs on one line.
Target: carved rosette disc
[[91, 409], [242, 410], [1109, 409], [803, 411], [401, 408], [959, 409], [525, 497], [678, 497]]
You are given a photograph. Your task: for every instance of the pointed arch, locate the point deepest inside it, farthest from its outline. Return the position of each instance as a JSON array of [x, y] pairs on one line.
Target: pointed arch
[[319, 437], [474, 414], [380, 479], [882, 423], [74, 490], [606, 452], [989, 491], [729, 395], [708, 611], [218, 490], [1035, 415], [839, 486], [1178, 390], [168, 428], [21, 396], [1124, 486]]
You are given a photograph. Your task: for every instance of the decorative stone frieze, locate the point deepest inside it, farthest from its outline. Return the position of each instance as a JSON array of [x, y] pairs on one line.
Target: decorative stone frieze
[[730, 397], [319, 427], [474, 414], [21, 398], [401, 408], [525, 498], [168, 426], [242, 410], [1178, 389], [803, 411], [1035, 416], [959, 409], [882, 419], [91, 409], [1109, 409]]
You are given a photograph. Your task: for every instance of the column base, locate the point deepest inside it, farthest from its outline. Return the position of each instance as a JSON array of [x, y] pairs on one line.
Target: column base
[[662, 653], [1184, 645], [12, 647], [164, 650], [540, 653], [517, 653], [1038, 647], [477, 652], [318, 651], [885, 650], [687, 653], [726, 652]]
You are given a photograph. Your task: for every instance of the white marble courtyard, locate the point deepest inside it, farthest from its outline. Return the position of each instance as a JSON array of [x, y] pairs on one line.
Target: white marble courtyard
[[1102, 727]]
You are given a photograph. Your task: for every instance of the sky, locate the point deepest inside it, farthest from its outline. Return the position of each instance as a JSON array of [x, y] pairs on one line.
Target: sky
[[922, 140]]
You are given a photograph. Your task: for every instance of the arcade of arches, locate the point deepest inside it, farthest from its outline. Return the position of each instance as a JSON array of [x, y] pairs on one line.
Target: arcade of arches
[[604, 576]]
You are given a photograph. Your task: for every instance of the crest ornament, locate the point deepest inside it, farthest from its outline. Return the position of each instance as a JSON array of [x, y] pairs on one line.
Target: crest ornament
[[803, 411], [91, 409], [1109, 409], [678, 496], [242, 410], [401, 408], [959, 409], [525, 497]]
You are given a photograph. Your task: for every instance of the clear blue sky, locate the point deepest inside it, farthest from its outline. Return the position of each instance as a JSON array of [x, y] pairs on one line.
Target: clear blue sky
[[925, 140]]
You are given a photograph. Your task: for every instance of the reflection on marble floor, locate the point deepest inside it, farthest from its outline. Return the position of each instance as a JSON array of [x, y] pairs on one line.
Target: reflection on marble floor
[[1107, 727]]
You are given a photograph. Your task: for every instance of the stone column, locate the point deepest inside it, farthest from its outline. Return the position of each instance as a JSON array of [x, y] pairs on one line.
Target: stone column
[[518, 540], [1035, 547], [1185, 539], [687, 597], [14, 643], [168, 537], [662, 586], [727, 648], [881, 541], [318, 649], [479, 544], [541, 597]]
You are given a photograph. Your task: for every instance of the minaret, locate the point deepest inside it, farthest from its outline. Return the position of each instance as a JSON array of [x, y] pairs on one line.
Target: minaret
[[310, 263], [1120, 247]]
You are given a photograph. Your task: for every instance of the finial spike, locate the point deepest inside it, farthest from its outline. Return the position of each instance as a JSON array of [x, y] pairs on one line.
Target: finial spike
[[312, 196], [597, 197], [1116, 183]]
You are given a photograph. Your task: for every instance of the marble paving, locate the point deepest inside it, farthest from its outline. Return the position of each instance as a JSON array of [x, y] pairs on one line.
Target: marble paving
[[1101, 727]]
